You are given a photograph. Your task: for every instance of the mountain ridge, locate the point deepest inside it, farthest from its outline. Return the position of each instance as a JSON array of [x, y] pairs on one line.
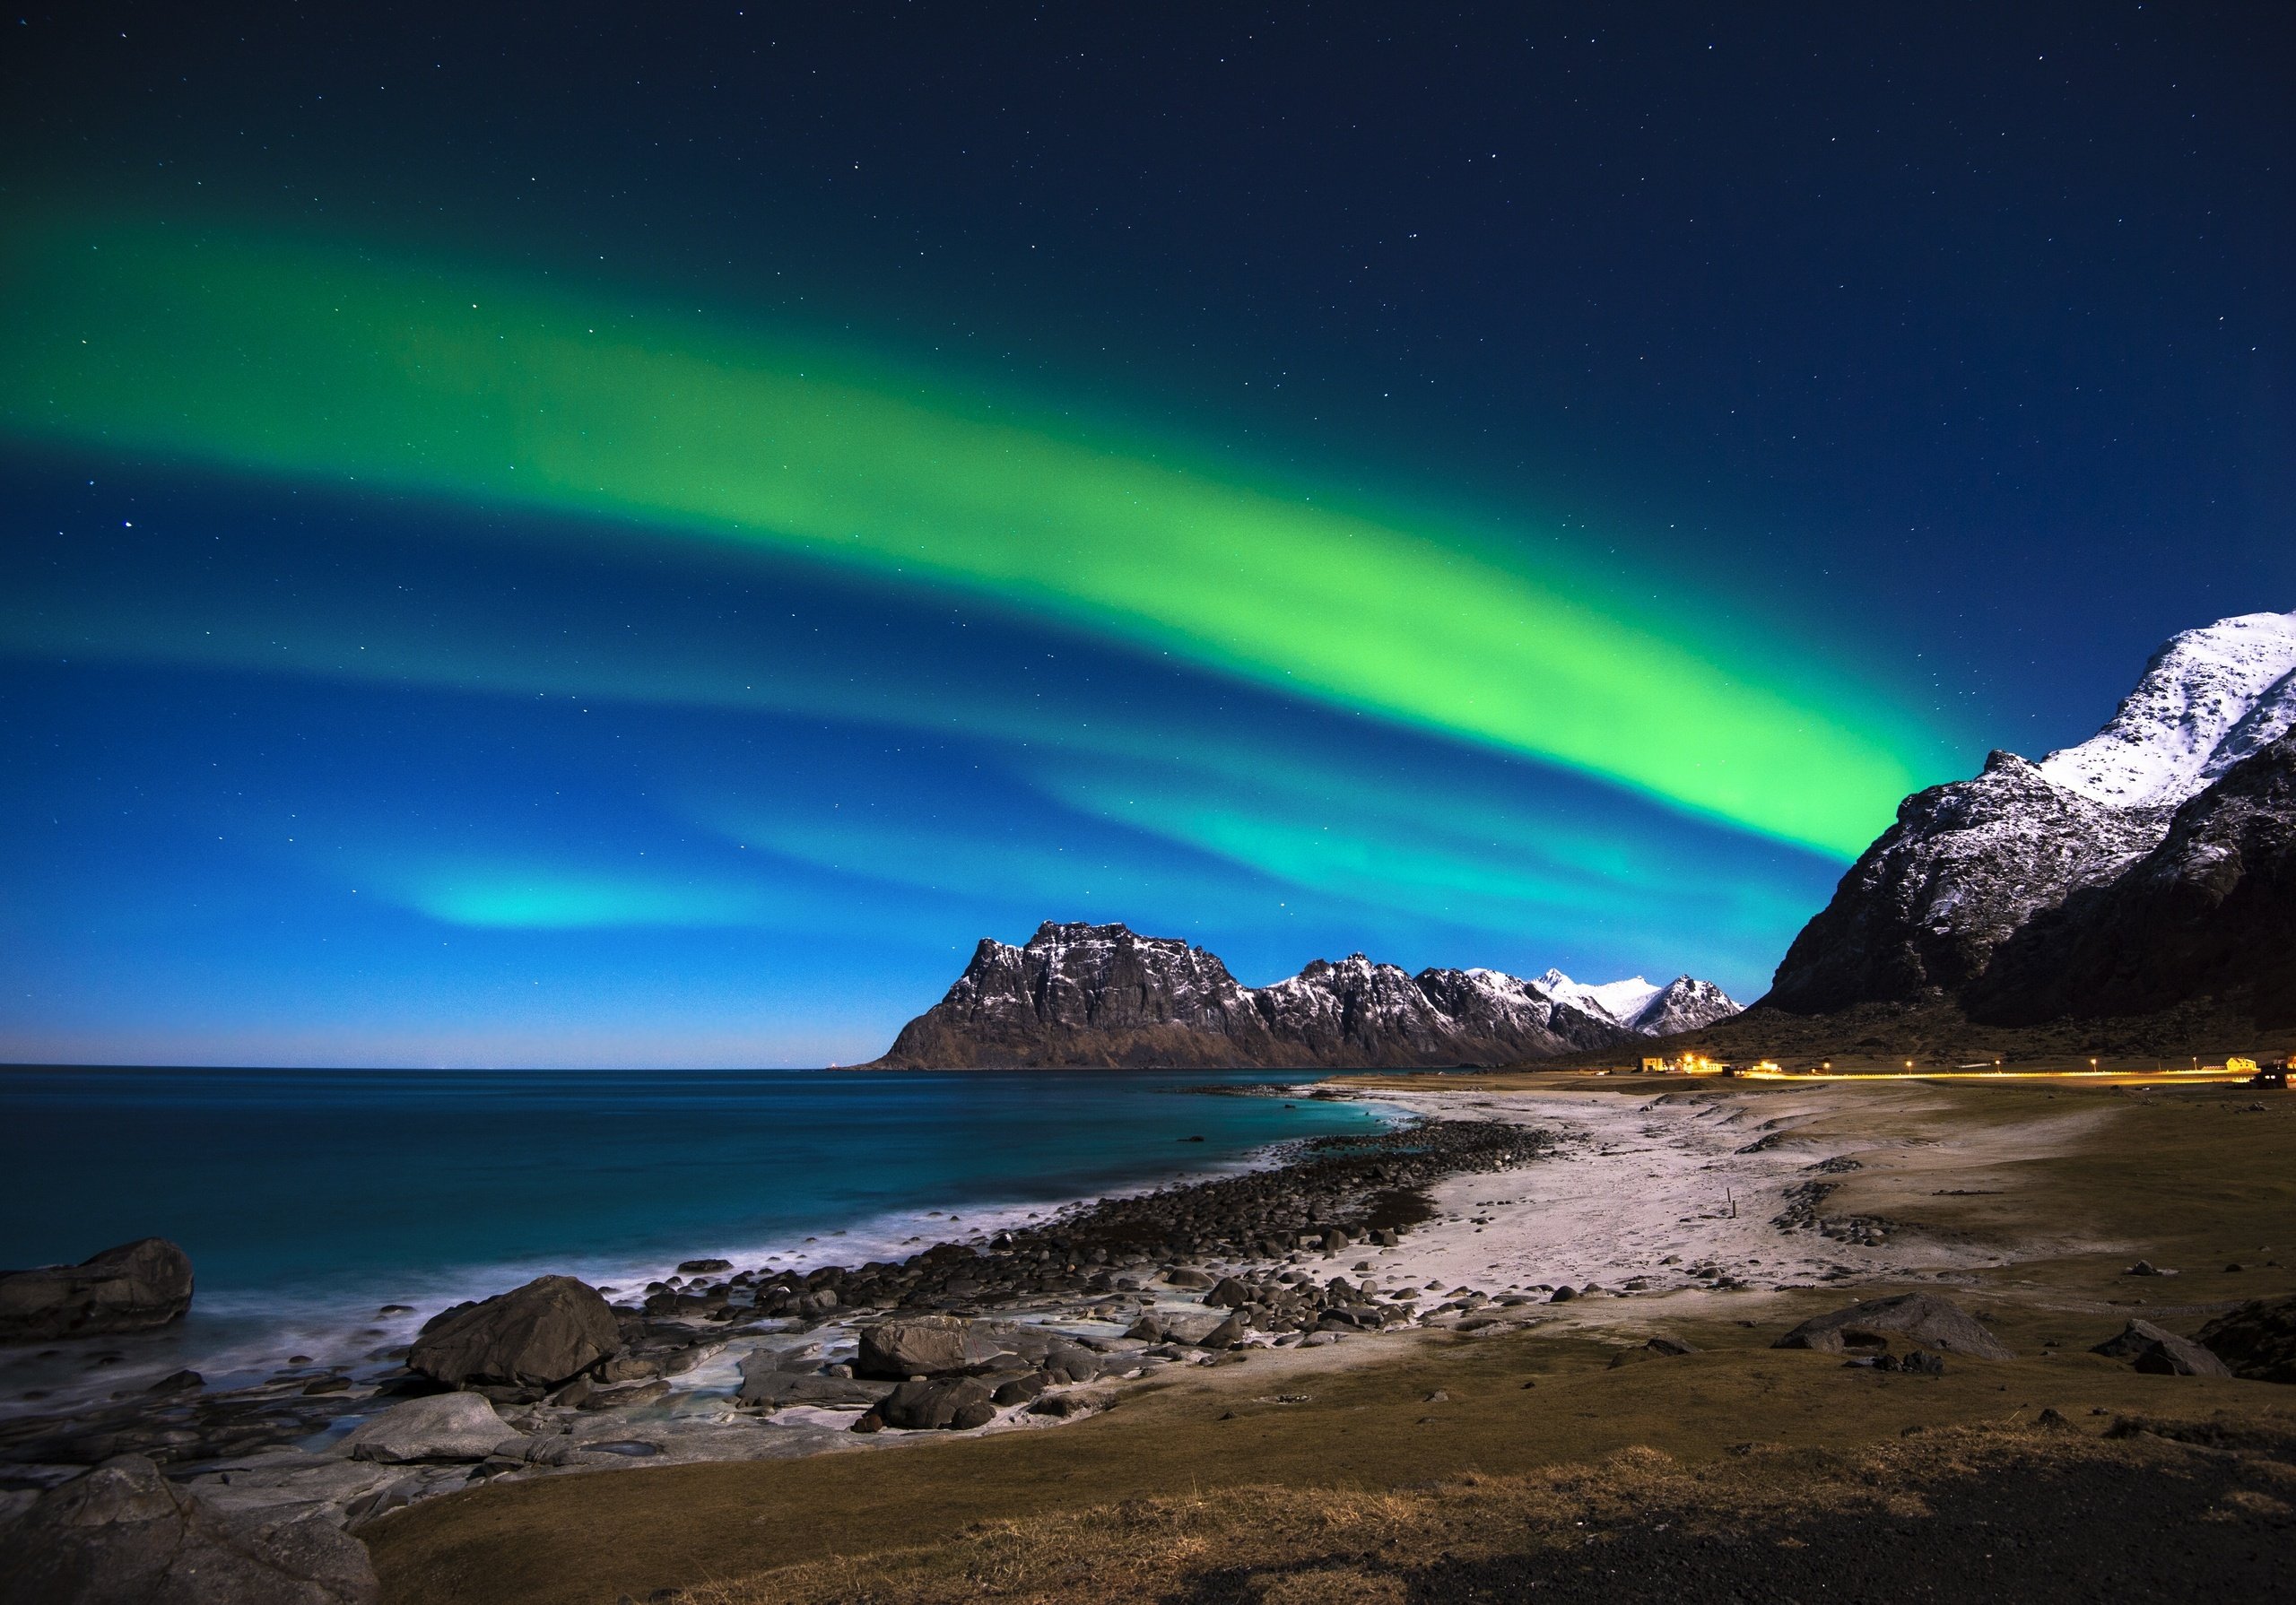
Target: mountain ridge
[[2148, 872], [1085, 996]]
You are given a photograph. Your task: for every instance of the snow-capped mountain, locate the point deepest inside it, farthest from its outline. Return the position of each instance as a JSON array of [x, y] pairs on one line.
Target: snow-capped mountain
[[2208, 699], [2211, 911], [1088, 995], [1682, 1004], [1974, 892]]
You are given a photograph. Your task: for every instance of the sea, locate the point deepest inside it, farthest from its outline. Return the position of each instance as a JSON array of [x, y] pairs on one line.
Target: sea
[[312, 1199]]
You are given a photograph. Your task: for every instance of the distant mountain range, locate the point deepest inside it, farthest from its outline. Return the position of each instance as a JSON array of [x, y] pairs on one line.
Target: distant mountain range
[[2131, 892], [1081, 995], [2151, 868]]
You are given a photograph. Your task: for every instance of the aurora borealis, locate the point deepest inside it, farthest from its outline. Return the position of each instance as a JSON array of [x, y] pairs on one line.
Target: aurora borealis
[[444, 641], [292, 361]]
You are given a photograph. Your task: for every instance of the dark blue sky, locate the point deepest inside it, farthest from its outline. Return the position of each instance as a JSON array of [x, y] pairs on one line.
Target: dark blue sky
[[1944, 358]]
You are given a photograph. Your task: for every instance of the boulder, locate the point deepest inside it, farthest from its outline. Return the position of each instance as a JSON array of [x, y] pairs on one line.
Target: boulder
[[931, 1346], [2161, 1353], [1076, 1402], [537, 1336], [763, 1382], [1188, 1276], [1179, 1326], [946, 1403], [1020, 1390], [1226, 1335], [1071, 1362], [1922, 1318], [123, 1531], [2258, 1340], [1230, 1293], [442, 1427], [133, 1287]]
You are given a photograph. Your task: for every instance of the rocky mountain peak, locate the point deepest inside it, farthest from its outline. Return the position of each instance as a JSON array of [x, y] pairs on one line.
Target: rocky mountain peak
[[1959, 893], [1083, 994]]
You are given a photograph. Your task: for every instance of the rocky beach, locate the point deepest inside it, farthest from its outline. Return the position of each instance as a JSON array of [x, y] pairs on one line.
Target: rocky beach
[[710, 1361], [1630, 1214]]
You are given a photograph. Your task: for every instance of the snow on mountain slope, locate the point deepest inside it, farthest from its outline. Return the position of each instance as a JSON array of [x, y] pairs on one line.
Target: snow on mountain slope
[[1683, 1004], [2208, 699], [1618, 1000]]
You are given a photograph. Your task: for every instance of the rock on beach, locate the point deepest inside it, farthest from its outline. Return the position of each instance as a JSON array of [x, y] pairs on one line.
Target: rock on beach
[[442, 1427], [2161, 1353], [133, 1288], [1922, 1318], [765, 1381], [951, 1403], [123, 1531], [929, 1346], [537, 1336], [2258, 1340]]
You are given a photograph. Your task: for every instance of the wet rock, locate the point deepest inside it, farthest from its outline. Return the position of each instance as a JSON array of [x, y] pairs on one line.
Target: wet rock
[[444, 1426], [124, 1533], [1670, 1346], [704, 1267], [2161, 1353], [1922, 1318], [937, 1404], [179, 1382], [1187, 1276], [537, 1336], [133, 1288], [2258, 1340], [1230, 1293]]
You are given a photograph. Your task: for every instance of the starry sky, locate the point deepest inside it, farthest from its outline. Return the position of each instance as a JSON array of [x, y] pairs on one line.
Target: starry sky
[[583, 535]]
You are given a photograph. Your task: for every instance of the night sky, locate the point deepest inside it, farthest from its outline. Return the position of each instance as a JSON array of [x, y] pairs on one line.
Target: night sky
[[635, 535]]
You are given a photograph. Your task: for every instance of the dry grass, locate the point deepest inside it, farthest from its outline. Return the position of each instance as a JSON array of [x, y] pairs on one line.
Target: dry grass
[[1281, 1544]]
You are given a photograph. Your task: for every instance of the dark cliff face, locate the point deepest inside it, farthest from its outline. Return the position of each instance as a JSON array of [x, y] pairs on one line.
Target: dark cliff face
[[2210, 911], [1092, 995], [1923, 910], [2145, 869], [1103, 996]]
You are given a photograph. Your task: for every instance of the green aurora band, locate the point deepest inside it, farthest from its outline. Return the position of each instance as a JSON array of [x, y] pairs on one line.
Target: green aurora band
[[269, 355]]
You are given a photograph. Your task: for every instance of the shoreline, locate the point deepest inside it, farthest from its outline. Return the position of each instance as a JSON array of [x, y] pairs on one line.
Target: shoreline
[[240, 1336], [1649, 1204], [201, 1434]]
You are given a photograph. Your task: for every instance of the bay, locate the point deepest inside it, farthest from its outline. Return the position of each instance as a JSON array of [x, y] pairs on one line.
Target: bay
[[309, 1198]]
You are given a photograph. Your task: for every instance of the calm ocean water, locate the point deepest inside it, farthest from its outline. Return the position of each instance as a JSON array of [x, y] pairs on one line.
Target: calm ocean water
[[308, 1199]]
